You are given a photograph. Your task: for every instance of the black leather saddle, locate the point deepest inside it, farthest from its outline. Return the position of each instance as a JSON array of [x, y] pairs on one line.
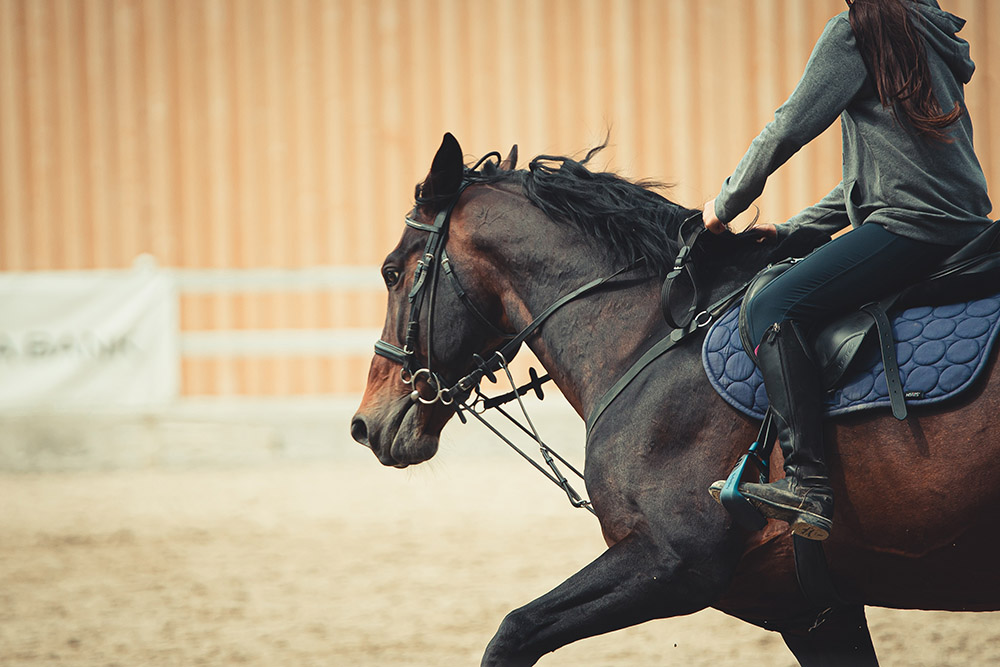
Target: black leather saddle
[[971, 272]]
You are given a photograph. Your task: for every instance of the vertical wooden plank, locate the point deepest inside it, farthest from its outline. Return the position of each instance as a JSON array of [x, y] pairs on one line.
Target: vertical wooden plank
[[102, 172], [392, 203], [307, 104], [529, 73], [160, 75], [681, 109], [507, 98], [279, 165], [989, 15], [42, 142], [982, 92], [360, 158], [338, 151], [69, 205], [652, 88], [479, 30], [14, 204], [248, 126], [218, 149], [127, 57], [374, 218], [622, 85], [189, 54]]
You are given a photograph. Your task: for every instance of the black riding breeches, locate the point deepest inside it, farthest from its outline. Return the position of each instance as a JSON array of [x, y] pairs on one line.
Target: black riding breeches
[[861, 266]]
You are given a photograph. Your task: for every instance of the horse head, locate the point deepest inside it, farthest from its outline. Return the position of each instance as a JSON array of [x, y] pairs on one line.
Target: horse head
[[430, 339]]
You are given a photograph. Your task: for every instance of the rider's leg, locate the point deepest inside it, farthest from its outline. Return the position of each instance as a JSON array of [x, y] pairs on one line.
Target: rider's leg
[[866, 264], [803, 498]]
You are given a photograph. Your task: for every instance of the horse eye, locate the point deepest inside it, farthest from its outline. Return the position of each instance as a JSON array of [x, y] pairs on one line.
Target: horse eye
[[390, 276]]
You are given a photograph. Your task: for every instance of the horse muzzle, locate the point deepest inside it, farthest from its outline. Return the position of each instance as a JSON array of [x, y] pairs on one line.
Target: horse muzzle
[[399, 436]]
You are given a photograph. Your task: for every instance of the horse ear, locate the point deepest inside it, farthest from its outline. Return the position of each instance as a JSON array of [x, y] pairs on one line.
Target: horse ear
[[447, 169], [511, 162]]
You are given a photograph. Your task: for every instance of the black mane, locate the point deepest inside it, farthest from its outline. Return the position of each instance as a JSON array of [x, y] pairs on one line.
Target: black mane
[[628, 219]]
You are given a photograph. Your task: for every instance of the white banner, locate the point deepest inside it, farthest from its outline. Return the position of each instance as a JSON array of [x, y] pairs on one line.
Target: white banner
[[88, 339]]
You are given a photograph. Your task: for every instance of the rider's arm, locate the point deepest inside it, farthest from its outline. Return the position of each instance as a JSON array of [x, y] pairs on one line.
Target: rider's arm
[[834, 74]]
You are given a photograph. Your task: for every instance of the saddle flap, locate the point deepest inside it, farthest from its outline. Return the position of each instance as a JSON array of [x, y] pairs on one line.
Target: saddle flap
[[837, 344]]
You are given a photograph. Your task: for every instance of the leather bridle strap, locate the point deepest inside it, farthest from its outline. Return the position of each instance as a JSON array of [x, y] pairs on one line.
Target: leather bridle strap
[[433, 252], [683, 267], [464, 297], [426, 268], [669, 341], [507, 352]]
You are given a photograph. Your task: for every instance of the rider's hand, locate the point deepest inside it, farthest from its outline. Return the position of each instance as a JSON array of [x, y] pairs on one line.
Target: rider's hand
[[711, 220], [763, 231]]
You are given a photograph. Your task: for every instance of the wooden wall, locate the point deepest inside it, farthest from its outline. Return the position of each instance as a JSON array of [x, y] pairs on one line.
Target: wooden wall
[[236, 136]]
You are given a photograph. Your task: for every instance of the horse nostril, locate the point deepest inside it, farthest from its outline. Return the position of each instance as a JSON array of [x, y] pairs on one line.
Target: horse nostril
[[359, 430]]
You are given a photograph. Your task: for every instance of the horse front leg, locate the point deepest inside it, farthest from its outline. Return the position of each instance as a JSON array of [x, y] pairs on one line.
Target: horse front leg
[[630, 583]]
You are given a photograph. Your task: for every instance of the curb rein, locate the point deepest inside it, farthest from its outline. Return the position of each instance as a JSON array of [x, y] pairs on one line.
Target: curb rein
[[435, 259]]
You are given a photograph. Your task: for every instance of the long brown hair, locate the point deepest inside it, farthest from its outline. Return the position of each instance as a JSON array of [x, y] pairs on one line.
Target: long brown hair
[[894, 52]]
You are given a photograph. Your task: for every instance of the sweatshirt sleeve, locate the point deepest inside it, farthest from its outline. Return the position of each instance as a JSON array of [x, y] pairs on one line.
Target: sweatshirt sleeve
[[828, 215], [834, 74]]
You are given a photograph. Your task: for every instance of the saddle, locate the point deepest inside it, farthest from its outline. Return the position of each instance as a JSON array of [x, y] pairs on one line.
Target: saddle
[[973, 272]]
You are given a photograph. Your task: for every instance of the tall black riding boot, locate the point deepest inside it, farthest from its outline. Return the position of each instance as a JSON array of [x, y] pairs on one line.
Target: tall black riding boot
[[803, 498]]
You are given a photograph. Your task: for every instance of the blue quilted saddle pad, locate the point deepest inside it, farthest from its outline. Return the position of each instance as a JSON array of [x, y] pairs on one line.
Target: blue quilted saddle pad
[[941, 351]]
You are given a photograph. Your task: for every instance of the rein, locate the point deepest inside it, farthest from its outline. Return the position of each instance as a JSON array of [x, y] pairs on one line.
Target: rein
[[435, 259]]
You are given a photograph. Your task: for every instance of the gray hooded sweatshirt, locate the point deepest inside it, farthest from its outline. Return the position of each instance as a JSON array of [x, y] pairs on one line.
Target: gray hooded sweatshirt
[[913, 186]]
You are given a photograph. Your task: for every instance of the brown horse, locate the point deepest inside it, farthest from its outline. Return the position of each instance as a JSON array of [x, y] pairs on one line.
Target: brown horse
[[916, 523]]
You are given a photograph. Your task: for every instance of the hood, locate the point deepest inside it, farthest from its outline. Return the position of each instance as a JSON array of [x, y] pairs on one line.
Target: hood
[[938, 28]]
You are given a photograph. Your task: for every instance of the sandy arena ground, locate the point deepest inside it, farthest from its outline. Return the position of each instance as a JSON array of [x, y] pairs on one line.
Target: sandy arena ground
[[342, 562]]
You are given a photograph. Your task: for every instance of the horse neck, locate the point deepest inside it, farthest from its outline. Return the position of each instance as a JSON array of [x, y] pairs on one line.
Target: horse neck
[[588, 343]]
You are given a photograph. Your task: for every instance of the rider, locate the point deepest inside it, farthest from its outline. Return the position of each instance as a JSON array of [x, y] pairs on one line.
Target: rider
[[912, 190]]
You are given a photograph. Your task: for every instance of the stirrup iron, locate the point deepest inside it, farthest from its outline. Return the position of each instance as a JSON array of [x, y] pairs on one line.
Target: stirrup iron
[[742, 510]]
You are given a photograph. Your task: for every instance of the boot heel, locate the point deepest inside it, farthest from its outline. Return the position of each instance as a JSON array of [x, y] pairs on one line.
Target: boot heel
[[812, 529]]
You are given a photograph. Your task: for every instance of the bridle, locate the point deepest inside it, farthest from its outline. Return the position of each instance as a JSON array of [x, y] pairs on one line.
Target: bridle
[[433, 260]]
